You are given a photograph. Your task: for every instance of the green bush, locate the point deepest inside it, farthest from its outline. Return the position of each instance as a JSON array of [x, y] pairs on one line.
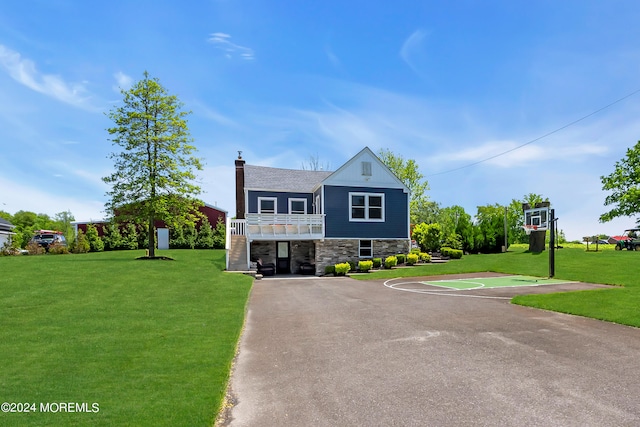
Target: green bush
[[130, 237], [342, 269], [204, 237], [58, 249], [35, 249], [219, 234], [412, 259], [365, 266], [401, 258], [425, 257], [390, 261], [352, 265], [453, 241], [330, 269], [451, 253], [81, 244], [428, 236], [377, 262], [95, 241]]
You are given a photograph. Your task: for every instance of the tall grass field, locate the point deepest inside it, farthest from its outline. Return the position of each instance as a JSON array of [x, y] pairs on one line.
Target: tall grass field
[[119, 341]]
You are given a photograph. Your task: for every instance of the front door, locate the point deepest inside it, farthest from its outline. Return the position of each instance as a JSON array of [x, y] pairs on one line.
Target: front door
[[283, 259]]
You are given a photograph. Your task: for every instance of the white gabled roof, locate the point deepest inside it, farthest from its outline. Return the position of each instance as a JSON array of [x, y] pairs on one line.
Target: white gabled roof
[[351, 173]]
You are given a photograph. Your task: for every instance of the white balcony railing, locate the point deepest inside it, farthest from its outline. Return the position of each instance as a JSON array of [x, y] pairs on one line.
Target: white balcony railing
[[268, 226]]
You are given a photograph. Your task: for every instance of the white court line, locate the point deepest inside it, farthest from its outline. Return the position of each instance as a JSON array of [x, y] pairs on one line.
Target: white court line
[[423, 291]]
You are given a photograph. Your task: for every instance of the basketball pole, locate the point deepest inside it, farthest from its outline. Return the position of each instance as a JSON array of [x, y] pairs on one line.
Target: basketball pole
[[552, 244]]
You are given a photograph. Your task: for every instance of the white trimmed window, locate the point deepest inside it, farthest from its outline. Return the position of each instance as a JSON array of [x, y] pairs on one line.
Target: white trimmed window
[[267, 205], [365, 249], [366, 207], [298, 206]]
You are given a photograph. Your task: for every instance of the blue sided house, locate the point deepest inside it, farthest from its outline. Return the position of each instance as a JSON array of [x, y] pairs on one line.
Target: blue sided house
[[301, 221]]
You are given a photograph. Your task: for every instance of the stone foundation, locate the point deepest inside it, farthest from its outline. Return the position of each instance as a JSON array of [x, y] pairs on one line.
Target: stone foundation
[[264, 250], [333, 251], [299, 250], [323, 253]]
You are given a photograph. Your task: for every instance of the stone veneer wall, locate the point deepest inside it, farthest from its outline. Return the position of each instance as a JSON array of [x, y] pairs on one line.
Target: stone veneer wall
[[299, 250], [333, 251], [263, 249]]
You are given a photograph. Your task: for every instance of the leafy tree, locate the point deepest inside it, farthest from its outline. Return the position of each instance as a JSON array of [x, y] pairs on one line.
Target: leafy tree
[[425, 210], [624, 187], [457, 228], [428, 236], [490, 228], [154, 173], [63, 222], [407, 171]]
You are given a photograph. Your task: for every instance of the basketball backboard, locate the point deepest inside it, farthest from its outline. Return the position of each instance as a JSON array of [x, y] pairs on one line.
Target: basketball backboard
[[536, 217]]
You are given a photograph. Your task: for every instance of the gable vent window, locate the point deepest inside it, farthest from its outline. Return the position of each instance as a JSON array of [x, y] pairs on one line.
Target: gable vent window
[[366, 168]]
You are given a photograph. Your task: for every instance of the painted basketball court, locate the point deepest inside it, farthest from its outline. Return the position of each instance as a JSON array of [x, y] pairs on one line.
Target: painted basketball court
[[455, 286]]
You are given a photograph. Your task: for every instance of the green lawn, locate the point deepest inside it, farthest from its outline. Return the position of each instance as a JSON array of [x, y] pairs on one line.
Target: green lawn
[[151, 342], [620, 304]]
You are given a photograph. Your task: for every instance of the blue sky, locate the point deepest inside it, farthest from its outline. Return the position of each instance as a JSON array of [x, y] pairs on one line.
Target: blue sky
[[445, 83]]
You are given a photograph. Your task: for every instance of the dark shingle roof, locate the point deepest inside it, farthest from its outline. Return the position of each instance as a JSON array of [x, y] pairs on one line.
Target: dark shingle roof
[[275, 179], [5, 225]]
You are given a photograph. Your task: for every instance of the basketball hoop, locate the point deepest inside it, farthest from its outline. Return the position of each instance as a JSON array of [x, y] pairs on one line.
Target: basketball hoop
[[529, 228]]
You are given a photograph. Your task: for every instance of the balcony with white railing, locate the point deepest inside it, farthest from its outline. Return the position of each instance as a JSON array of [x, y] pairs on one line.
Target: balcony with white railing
[[279, 226]]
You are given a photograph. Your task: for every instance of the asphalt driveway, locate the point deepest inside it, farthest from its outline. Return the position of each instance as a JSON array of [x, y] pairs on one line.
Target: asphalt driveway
[[341, 352]]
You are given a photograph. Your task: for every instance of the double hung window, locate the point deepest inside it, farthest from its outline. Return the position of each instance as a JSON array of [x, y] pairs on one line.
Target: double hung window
[[267, 205], [366, 207], [297, 206]]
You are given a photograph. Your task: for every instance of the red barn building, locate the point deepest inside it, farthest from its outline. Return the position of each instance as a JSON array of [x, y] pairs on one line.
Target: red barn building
[[212, 213]]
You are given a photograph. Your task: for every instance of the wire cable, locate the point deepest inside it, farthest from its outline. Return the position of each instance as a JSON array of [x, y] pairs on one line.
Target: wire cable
[[540, 137]]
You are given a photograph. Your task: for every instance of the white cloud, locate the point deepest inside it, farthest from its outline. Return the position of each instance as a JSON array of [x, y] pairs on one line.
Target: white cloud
[[223, 42], [27, 198], [509, 154], [123, 81], [412, 49], [333, 58], [211, 114], [24, 72]]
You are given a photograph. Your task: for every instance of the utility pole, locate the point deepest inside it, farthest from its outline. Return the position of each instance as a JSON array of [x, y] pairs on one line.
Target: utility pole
[[552, 243], [506, 240]]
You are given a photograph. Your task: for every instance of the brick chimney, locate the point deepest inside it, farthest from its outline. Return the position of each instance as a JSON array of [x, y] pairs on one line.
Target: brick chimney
[[240, 208]]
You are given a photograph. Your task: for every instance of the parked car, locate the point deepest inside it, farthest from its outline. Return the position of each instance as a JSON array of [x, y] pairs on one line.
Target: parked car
[[46, 238], [631, 244]]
